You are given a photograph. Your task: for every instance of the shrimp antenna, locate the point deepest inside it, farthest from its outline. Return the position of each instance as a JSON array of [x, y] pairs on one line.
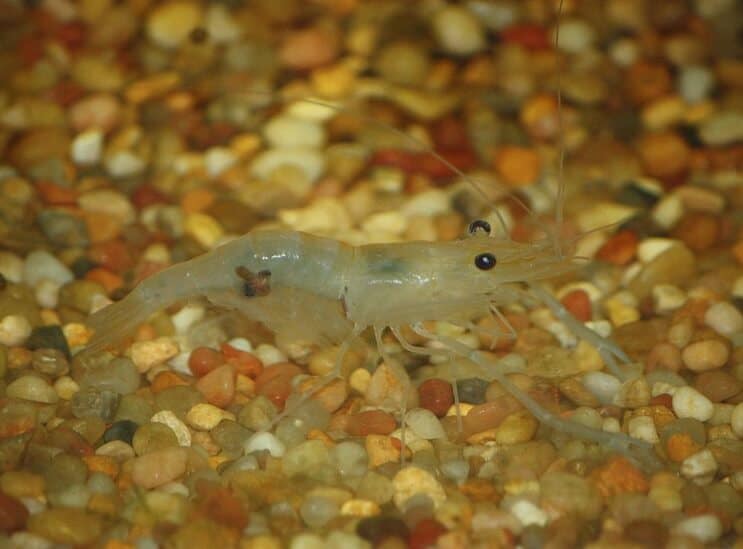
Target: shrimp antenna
[[560, 199], [419, 143]]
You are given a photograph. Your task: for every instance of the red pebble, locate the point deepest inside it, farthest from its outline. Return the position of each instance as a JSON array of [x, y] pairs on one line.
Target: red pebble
[[425, 534], [147, 195], [579, 305], [663, 399], [13, 514], [620, 249], [275, 382], [113, 255], [371, 422], [530, 36], [436, 395], [243, 362], [203, 360]]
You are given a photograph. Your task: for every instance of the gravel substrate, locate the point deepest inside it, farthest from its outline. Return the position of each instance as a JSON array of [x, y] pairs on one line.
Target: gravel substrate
[[138, 134]]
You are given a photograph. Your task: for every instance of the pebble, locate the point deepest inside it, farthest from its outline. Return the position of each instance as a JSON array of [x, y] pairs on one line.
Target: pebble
[[204, 229], [736, 420], [291, 131], [32, 388], [11, 267], [309, 48], [724, 318], [87, 147], [14, 330], [688, 402], [305, 458], [436, 395], [458, 31], [166, 417], [562, 492], [603, 386], [722, 128], [147, 354], [218, 386], [667, 298], [309, 161], [643, 428], [170, 24], [120, 375], [700, 466], [705, 528], [159, 467], [98, 111], [109, 202], [207, 416], [13, 514], [575, 36], [66, 525], [95, 403], [120, 430], [377, 529], [424, 424], [412, 481], [41, 265], [264, 441], [705, 355], [668, 211]]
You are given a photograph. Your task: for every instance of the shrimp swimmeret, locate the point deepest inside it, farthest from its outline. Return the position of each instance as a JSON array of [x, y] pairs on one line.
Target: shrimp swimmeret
[[309, 288]]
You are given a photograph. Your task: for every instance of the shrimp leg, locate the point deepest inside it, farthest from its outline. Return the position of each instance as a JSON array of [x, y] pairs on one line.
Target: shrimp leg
[[637, 450], [606, 348]]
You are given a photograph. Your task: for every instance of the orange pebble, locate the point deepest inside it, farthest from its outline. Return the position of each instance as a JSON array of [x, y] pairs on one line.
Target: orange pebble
[[579, 305], [218, 386], [518, 166], [197, 200], [105, 278], [56, 195], [680, 446], [165, 380], [737, 250], [203, 360], [275, 382], [245, 363], [618, 475], [664, 154], [102, 227], [102, 464]]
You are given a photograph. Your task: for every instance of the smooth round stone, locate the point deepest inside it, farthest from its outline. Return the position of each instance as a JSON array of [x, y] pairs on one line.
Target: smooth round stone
[[97, 111], [92, 402], [121, 430], [230, 436], [182, 432], [305, 458], [101, 483], [458, 31], [179, 400], [413, 481], [120, 376], [32, 388], [350, 458], [80, 295], [309, 161], [109, 202], [50, 362], [736, 420], [424, 424], [11, 267], [264, 441], [152, 437], [376, 529], [717, 385], [576, 36], [171, 23], [317, 511], [40, 265], [257, 414], [403, 63], [159, 467], [472, 390], [705, 355], [87, 147], [76, 495], [62, 228], [290, 131], [135, 408], [566, 492], [63, 471], [13, 514], [66, 525], [221, 25], [722, 128], [695, 82], [724, 318], [688, 402]]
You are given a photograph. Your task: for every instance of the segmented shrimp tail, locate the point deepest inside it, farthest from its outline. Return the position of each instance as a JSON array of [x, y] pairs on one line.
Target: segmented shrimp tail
[[117, 320]]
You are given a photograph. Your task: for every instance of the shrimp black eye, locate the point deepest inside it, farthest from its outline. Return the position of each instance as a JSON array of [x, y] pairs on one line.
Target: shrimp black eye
[[479, 225], [485, 261]]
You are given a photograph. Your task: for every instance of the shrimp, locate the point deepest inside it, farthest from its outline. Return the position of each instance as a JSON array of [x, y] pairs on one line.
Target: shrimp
[[314, 289]]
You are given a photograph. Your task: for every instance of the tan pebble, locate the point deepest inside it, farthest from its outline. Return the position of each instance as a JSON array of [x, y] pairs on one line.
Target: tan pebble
[[387, 387], [170, 23], [22, 484], [146, 354], [331, 396], [66, 525], [516, 428], [633, 393], [159, 467], [380, 450], [705, 355], [168, 418], [360, 508], [76, 334], [116, 449], [66, 387], [203, 228], [33, 388], [359, 380], [207, 416], [412, 481]]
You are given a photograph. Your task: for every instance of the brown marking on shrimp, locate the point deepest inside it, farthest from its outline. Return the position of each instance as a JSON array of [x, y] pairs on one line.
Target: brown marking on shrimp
[[256, 284]]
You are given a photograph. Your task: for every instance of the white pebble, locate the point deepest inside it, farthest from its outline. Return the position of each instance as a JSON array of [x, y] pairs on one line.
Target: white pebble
[[736, 420], [688, 402], [241, 344], [602, 385], [47, 293], [428, 203], [667, 298], [724, 318], [392, 223], [264, 441], [218, 159], [220, 24], [309, 160], [528, 513], [86, 147], [643, 428], [124, 164], [14, 330], [146, 354], [41, 265], [650, 248], [458, 31], [291, 131], [695, 83], [668, 211], [189, 315], [575, 36], [700, 466], [424, 424], [624, 52], [705, 528], [268, 354]]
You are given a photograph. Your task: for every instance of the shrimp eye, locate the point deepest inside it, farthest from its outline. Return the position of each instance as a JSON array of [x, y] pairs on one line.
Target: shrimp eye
[[479, 225], [485, 261]]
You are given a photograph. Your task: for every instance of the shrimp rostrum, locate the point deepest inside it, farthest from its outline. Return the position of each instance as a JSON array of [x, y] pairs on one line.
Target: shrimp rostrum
[[310, 288]]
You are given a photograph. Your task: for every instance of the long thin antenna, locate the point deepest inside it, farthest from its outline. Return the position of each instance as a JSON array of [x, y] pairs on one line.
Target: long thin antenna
[[560, 200]]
